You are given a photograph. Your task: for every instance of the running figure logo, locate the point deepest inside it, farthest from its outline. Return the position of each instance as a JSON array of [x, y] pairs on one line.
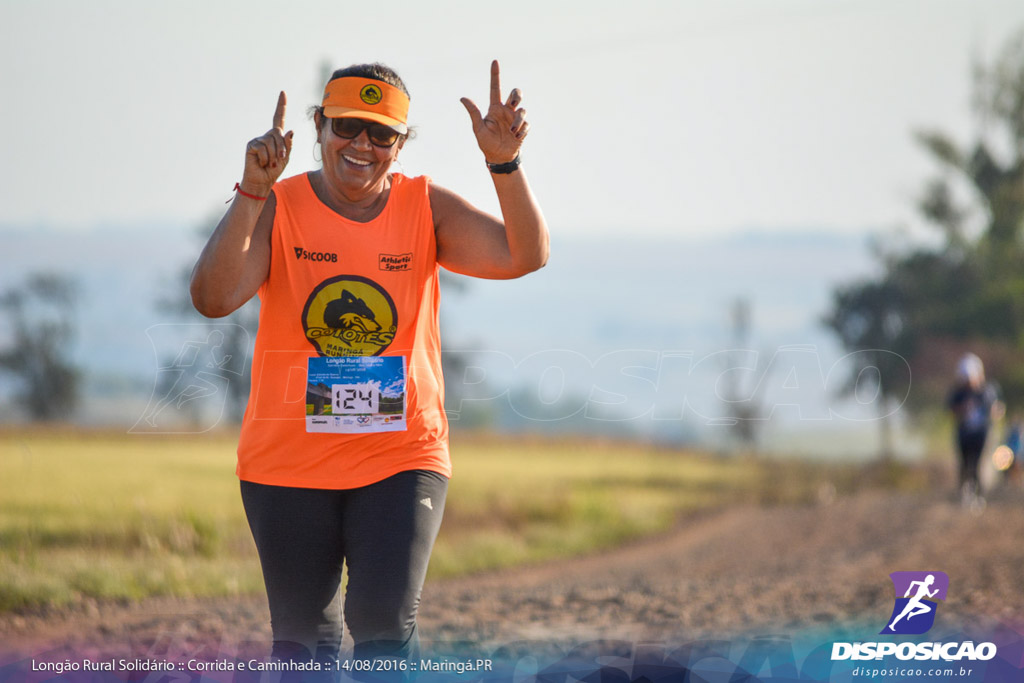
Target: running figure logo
[[191, 392], [914, 613]]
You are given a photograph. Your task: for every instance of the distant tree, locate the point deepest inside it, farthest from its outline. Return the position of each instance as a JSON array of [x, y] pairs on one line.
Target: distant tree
[[869, 318], [930, 303], [238, 329], [37, 352], [746, 409]]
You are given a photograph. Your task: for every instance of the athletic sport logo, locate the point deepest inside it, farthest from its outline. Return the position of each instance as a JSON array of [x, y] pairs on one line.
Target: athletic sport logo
[[916, 601], [371, 94]]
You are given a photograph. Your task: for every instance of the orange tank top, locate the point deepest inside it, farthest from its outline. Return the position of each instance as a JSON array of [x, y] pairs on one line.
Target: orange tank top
[[346, 375]]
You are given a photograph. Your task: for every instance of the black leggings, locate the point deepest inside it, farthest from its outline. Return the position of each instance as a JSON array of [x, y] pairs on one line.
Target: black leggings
[[383, 533], [970, 444]]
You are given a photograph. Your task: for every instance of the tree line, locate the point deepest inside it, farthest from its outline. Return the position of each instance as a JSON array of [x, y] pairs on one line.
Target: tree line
[[965, 290]]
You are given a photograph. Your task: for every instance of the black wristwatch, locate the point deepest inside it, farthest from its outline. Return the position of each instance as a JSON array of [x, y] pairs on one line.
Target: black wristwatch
[[507, 167]]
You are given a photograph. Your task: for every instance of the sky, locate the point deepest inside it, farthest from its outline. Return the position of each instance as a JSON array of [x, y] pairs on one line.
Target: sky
[[686, 118]]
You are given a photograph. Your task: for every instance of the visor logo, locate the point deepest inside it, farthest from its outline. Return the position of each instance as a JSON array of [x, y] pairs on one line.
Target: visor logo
[[371, 94]]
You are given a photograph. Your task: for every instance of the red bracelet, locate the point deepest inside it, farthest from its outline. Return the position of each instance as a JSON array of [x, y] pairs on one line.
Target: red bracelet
[[239, 190]]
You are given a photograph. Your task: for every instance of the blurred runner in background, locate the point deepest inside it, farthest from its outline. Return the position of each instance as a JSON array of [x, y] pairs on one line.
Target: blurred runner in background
[[975, 405]]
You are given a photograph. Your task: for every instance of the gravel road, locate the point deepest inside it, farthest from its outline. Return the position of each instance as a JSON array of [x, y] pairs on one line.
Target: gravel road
[[739, 572]]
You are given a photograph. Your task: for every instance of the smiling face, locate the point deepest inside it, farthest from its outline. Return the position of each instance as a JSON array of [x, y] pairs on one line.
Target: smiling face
[[354, 168]]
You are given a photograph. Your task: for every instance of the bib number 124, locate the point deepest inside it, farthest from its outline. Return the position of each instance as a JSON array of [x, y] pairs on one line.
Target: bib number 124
[[354, 399]]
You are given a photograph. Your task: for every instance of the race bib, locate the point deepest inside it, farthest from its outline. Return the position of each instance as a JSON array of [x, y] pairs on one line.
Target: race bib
[[355, 394]]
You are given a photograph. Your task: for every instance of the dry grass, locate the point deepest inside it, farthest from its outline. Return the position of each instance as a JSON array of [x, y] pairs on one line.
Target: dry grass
[[118, 516]]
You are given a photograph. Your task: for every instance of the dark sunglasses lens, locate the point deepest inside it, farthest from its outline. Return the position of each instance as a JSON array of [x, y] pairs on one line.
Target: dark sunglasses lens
[[382, 136], [347, 128], [379, 134]]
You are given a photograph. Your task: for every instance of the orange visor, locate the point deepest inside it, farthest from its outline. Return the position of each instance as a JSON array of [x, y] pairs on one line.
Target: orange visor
[[366, 98]]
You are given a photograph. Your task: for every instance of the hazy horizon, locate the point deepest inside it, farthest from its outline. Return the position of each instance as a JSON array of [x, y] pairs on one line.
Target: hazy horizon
[[599, 307]]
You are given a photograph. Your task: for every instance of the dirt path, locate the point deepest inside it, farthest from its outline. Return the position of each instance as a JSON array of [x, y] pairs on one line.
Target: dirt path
[[742, 571], [756, 571]]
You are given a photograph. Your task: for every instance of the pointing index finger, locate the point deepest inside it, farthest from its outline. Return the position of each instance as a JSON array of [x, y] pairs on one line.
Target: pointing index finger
[[495, 84], [282, 104]]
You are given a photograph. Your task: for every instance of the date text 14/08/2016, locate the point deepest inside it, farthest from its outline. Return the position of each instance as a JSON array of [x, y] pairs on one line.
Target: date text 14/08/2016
[[424, 665]]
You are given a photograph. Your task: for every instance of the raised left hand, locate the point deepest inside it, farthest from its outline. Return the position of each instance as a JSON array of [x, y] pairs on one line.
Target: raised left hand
[[500, 134]]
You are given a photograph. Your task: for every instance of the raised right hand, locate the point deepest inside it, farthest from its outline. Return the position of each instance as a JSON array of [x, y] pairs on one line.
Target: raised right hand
[[267, 155]]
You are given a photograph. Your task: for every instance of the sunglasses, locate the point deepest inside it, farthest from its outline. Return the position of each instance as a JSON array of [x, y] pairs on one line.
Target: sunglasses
[[379, 134]]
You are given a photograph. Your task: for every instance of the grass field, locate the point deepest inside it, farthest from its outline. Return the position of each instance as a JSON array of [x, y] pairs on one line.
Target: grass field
[[115, 516]]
